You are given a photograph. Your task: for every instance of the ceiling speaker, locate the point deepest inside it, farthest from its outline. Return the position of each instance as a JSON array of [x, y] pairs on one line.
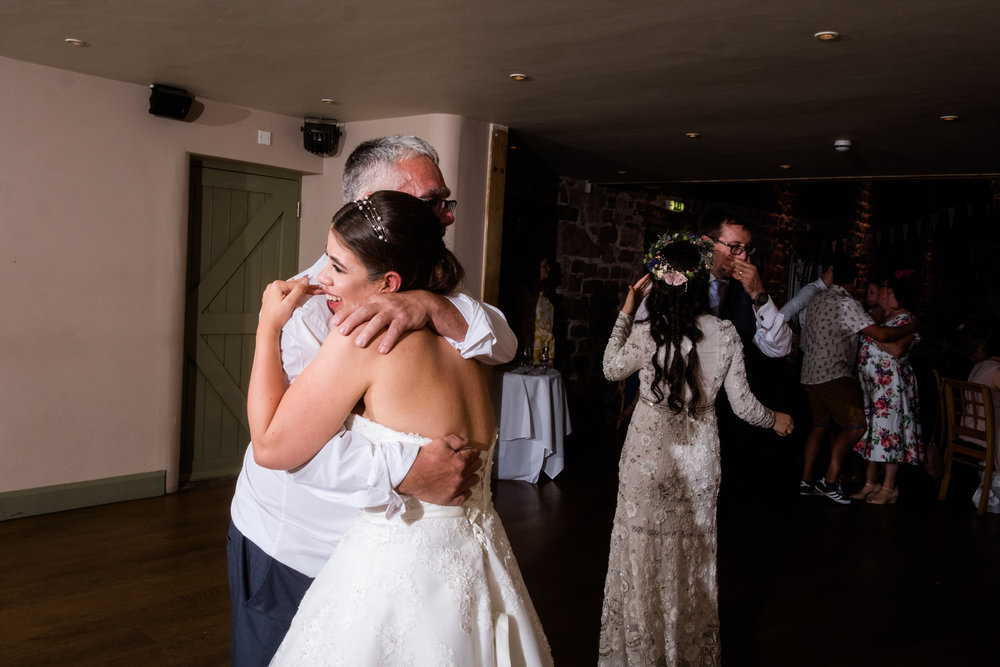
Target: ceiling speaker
[[320, 135], [169, 102]]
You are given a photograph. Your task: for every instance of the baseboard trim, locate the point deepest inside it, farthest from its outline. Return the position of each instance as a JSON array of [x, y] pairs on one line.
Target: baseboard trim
[[46, 499]]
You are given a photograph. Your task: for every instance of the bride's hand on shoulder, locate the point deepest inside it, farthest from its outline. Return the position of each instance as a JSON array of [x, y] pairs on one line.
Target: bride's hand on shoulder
[[783, 424], [280, 299], [636, 293]]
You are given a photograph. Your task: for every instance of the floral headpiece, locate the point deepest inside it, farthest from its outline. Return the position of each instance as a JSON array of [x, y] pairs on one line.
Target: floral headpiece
[[663, 271]]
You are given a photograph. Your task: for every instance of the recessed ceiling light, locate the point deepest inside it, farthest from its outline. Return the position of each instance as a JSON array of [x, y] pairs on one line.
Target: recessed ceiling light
[[693, 135], [328, 100], [72, 41], [785, 166], [827, 36], [516, 76], [948, 118], [622, 172]]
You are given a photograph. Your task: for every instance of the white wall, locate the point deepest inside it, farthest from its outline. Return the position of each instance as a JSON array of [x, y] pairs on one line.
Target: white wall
[[93, 220]]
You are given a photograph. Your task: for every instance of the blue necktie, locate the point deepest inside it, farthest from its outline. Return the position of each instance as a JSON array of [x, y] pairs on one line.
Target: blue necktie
[[715, 291]]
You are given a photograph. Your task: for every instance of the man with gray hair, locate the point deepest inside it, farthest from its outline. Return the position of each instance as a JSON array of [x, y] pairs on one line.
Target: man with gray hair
[[285, 525]]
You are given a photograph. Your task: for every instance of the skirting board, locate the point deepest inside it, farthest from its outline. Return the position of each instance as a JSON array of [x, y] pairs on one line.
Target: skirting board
[[46, 499]]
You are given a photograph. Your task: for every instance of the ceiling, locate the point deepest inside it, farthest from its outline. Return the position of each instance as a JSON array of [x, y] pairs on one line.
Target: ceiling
[[613, 85]]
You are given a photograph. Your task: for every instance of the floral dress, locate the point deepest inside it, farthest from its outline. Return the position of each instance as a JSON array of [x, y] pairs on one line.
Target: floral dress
[[892, 407], [661, 592]]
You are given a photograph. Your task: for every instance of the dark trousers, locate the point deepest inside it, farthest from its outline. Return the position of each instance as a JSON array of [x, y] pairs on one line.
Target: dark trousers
[[265, 595]]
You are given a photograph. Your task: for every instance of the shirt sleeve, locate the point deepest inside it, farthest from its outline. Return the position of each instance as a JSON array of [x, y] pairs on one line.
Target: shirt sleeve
[[489, 338], [349, 469], [798, 302], [773, 336], [313, 270], [745, 405], [352, 471], [625, 352], [855, 317]]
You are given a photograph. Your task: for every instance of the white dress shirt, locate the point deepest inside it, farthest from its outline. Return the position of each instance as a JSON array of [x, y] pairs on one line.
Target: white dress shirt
[[298, 518]]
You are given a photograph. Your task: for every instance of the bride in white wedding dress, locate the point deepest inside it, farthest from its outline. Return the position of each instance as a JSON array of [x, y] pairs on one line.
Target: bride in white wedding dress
[[415, 583]]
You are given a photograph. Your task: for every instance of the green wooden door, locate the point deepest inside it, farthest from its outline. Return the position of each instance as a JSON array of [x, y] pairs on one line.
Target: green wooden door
[[243, 234]]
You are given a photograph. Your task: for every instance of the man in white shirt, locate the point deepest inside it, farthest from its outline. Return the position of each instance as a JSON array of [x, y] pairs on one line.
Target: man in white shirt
[[285, 525]]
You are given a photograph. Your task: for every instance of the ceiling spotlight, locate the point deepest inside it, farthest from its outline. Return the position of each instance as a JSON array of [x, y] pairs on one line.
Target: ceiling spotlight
[[72, 41], [827, 36], [328, 100], [948, 118], [692, 135], [842, 145], [519, 77], [785, 166]]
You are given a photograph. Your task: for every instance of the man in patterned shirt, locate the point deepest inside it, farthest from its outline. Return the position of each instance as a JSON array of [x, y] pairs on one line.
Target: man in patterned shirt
[[829, 374]]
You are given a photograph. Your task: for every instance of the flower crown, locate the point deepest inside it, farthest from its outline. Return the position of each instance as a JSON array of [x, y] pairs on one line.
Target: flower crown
[[663, 271]]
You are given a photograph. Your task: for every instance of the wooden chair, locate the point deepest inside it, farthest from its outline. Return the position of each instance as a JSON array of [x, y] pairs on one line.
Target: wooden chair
[[968, 409]]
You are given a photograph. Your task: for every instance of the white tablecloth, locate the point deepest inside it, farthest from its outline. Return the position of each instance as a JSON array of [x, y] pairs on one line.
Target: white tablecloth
[[533, 420]]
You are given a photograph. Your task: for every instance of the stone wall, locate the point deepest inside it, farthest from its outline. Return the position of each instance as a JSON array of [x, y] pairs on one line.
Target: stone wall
[[600, 244]]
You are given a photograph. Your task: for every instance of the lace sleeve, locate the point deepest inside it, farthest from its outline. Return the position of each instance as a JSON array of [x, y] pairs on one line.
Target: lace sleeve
[[623, 354], [745, 404]]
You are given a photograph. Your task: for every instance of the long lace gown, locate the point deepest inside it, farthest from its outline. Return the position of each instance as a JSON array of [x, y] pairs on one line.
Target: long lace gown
[[433, 585], [661, 595], [892, 405]]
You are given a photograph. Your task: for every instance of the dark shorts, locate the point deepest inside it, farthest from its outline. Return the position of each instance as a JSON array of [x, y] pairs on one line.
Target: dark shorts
[[837, 401]]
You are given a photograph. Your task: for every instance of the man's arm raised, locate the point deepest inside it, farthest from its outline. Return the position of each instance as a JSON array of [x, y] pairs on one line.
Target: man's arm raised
[[476, 329]]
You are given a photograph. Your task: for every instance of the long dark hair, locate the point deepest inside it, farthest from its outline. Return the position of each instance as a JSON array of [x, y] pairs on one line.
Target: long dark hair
[[394, 231], [673, 312]]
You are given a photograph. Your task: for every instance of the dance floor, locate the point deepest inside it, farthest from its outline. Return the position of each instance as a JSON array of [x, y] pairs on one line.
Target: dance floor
[[803, 581]]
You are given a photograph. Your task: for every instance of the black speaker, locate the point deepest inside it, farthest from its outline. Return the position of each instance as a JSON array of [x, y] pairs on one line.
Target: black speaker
[[169, 102], [320, 135]]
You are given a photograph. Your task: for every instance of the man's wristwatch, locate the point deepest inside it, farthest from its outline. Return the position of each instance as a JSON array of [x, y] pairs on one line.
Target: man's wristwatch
[[760, 299]]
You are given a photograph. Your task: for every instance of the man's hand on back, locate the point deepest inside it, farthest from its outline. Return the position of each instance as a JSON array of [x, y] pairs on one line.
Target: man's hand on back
[[443, 472]]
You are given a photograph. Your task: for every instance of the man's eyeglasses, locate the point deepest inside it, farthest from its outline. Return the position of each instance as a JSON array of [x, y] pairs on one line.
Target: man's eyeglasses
[[738, 248], [440, 206]]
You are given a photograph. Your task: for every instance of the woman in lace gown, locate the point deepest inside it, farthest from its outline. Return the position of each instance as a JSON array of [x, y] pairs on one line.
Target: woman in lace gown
[[892, 406], [431, 584], [660, 596]]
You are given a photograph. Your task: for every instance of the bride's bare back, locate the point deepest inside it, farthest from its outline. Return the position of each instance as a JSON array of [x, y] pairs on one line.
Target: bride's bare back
[[424, 386]]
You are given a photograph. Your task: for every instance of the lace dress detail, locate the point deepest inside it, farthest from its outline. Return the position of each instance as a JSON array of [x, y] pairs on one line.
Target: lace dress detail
[[432, 585], [661, 594]]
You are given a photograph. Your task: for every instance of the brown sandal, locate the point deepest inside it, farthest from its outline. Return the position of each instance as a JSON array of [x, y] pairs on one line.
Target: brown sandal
[[868, 490], [884, 496]]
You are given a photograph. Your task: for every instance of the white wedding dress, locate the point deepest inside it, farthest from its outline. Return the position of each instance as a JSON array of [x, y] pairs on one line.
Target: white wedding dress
[[432, 585]]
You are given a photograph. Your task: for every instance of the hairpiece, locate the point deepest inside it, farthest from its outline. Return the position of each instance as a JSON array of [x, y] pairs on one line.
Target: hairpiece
[[661, 269], [367, 208]]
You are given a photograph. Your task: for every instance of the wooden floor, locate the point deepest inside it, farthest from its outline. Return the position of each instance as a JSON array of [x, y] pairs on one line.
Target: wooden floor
[[802, 581]]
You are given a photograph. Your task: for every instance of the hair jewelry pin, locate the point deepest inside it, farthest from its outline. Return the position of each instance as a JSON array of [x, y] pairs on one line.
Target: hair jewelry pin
[[368, 209]]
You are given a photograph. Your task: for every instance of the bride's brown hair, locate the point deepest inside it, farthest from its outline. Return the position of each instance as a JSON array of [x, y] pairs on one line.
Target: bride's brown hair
[[394, 231], [672, 315]]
